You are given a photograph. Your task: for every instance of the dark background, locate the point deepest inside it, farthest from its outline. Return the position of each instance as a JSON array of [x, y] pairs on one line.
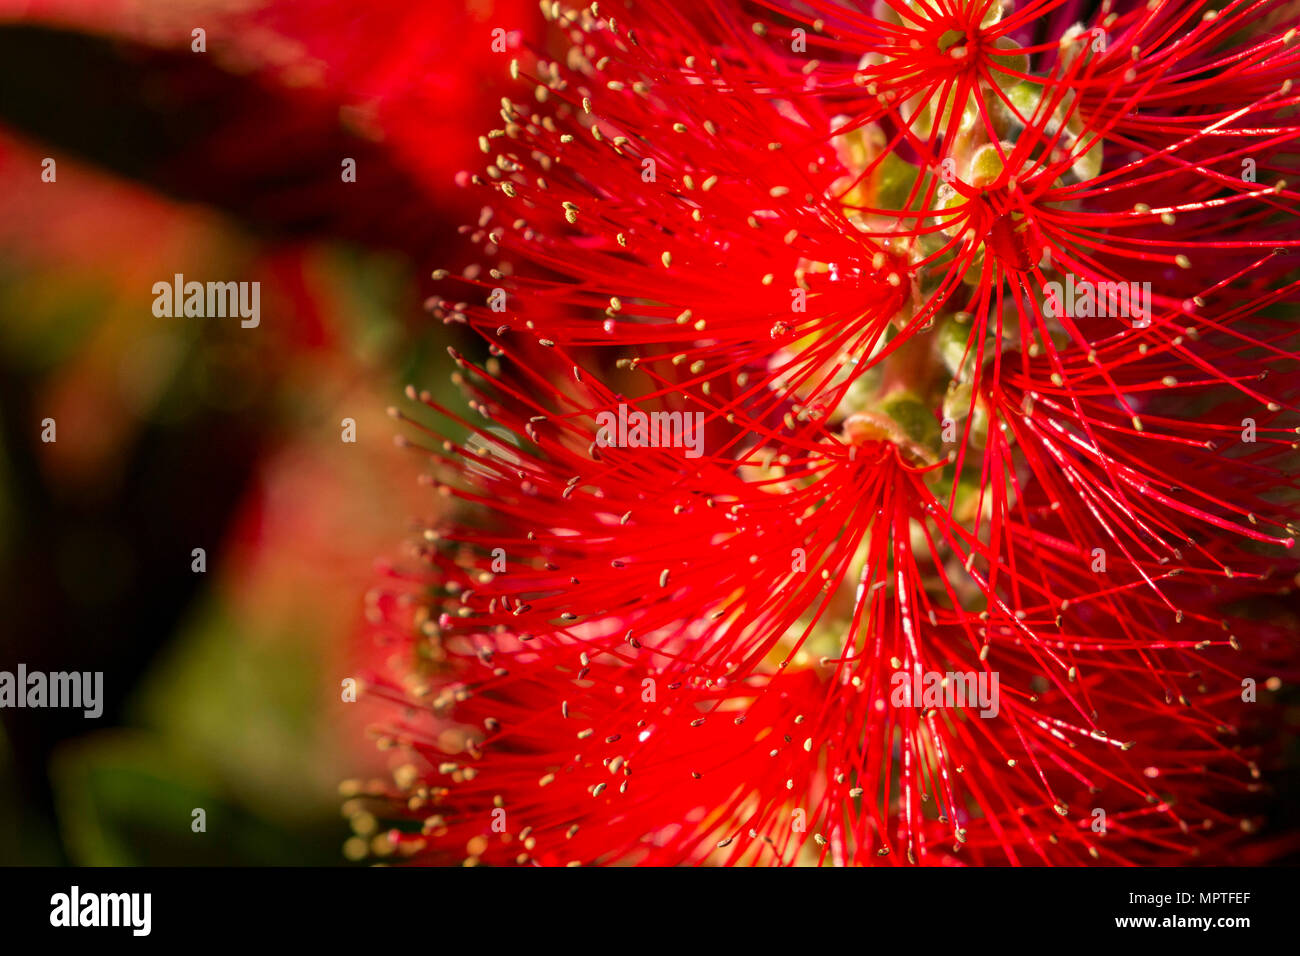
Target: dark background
[[222, 689]]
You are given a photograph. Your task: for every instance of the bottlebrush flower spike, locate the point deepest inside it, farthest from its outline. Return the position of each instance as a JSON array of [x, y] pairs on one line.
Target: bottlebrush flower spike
[[885, 450]]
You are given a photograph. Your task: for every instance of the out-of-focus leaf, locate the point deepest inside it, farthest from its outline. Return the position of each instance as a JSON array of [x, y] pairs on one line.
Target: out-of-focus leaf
[[125, 799], [248, 703]]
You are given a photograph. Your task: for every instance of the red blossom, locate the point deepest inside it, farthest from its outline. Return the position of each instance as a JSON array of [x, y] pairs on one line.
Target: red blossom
[[841, 240]]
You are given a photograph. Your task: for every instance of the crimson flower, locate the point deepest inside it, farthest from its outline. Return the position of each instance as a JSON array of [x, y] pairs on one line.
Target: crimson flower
[[883, 451]]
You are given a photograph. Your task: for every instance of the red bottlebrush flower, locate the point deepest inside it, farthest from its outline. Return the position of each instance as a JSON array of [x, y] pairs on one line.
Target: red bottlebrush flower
[[884, 450]]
